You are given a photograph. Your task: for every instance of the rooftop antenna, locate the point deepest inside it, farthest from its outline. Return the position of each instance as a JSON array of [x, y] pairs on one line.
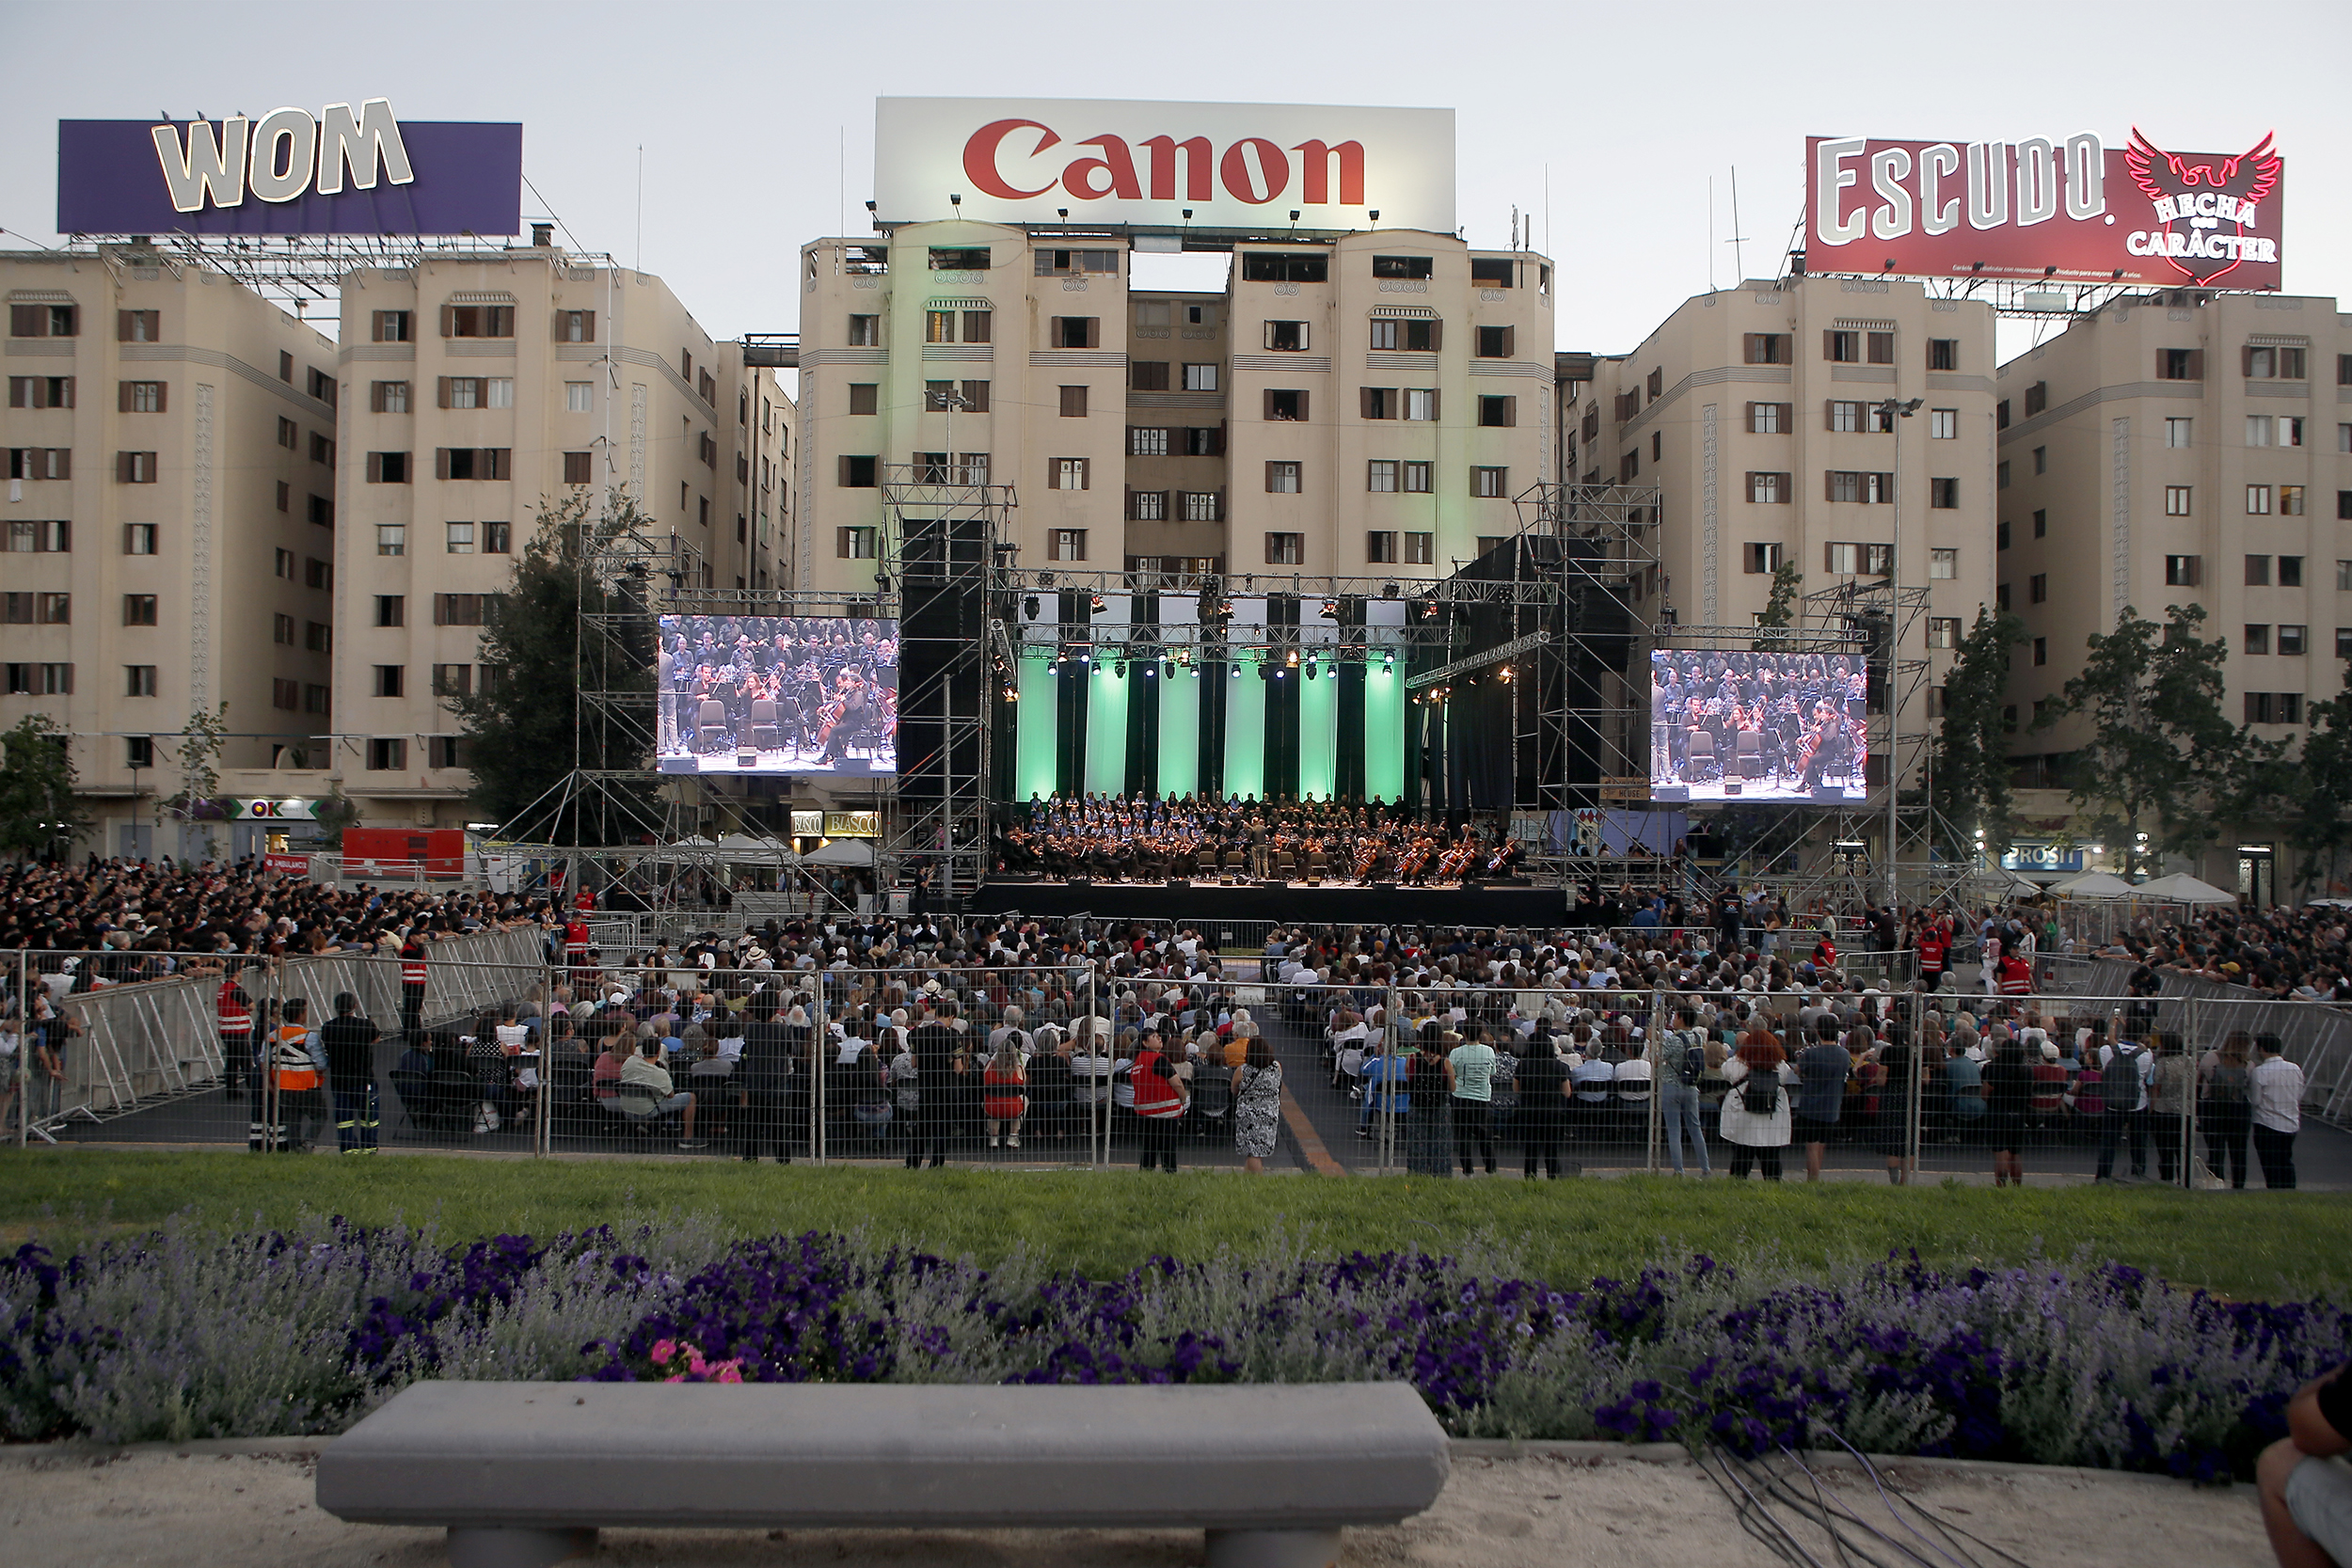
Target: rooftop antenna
[[1711, 234], [641, 207], [1738, 262]]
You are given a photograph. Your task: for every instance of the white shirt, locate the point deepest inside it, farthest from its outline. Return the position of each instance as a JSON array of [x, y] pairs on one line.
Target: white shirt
[[2278, 1094]]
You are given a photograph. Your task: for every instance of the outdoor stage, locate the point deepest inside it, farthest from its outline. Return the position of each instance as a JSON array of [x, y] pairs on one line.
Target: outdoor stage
[[1332, 903]]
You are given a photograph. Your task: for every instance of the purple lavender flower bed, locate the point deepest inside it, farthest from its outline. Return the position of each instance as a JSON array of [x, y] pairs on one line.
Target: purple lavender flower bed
[[181, 1334]]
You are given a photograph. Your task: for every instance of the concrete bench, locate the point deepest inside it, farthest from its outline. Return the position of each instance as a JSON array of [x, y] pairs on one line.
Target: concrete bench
[[524, 1474]]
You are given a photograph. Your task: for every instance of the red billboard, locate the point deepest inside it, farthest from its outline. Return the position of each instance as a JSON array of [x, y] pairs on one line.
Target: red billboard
[[2069, 210]]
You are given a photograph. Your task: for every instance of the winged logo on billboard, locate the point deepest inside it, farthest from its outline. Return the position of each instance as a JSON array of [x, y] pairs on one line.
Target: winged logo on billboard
[[2208, 208]]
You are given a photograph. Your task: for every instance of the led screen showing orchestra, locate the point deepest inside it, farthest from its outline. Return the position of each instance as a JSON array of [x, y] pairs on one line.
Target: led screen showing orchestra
[[1758, 726], [778, 694]]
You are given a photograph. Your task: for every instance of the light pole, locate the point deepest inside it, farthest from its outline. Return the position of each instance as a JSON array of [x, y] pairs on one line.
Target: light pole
[[1895, 411]]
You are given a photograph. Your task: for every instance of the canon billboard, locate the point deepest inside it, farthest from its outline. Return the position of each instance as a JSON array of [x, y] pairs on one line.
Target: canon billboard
[[1089, 163], [2065, 208], [339, 171]]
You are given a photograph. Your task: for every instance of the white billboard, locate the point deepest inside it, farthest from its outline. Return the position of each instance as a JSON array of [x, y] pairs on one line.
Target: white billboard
[[1108, 161]]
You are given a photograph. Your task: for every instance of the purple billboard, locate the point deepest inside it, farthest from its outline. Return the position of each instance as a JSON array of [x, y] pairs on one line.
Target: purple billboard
[[344, 170]]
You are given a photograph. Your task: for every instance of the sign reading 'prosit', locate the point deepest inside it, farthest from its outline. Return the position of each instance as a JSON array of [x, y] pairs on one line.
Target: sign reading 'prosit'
[[339, 171]]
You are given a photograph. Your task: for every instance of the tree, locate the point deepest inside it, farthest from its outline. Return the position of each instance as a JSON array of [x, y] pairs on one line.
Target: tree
[[1780, 608], [547, 641], [2162, 759], [199, 771], [1971, 764], [333, 814], [39, 813], [2321, 788]]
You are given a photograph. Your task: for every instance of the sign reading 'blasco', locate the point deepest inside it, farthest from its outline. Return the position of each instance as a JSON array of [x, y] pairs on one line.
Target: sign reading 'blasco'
[[340, 171], [1092, 162]]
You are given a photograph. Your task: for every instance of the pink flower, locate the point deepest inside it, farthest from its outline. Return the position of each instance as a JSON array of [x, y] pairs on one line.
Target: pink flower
[[662, 1351], [727, 1371]]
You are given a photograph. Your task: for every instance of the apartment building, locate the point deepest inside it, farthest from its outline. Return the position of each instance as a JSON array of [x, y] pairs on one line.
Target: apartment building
[[479, 390], [1760, 415], [169, 533], [1363, 406], [2182, 446]]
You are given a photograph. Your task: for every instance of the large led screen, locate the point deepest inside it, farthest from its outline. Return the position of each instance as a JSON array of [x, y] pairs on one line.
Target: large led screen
[[778, 694], [1758, 726]]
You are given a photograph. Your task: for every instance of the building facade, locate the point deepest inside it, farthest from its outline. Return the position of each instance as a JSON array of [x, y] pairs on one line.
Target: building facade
[[1757, 413], [1363, 406], [2181, 448], [170, 527], [479, 390]]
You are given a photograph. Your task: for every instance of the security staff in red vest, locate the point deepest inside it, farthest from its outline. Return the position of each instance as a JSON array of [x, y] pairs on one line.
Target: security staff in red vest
[[234, 1007], [1934, 945], [412, 985]]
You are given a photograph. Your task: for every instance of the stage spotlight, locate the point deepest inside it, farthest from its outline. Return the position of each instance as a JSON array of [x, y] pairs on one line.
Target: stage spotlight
[[1045, 580], [1292, 658], [1387, 661], [1389, 590], [1236, 668], [882, 584], [1506, 675], [1028, 606], [1119, 668], [1310, 670], [1167, 667]]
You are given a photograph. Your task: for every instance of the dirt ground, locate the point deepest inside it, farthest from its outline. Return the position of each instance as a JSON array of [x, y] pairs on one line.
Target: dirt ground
[[216, 1511]]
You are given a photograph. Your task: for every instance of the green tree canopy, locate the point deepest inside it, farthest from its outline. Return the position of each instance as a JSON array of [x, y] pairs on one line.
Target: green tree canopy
[[2321, 788], [39, 811], [1971, 764], [547, 639]]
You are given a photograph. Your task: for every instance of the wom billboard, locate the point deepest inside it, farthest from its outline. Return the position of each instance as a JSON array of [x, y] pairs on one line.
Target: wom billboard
[[2071, 210], [1254, 166], [340, 171]]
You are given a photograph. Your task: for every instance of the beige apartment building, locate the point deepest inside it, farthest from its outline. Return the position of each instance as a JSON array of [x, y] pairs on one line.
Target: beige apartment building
[[170, 527], [2186, 448], [479, 390], [1757, 412], [1367, 406]]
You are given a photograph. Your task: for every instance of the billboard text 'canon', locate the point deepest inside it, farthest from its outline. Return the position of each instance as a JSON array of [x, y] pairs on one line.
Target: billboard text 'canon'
[[2067, 208], [1234, 166]]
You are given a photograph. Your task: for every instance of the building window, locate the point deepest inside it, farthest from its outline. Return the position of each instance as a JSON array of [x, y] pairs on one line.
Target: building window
[[1500, 412], [2178, 429], [1286, 406], [2258, 430], [1944, 631], [393, 327], [282, 630], [1420, 403], [2182, 571], [473, 462], [1943, 564], [1286, 549], [1278, 266], [2040, 522], [2267, 363], [1768, 489], [1204, 441], [391, 609], [1490, 484], [2257, 639], [388, 755], [1843, 561], [2038, 588], [1147, 376], [1286, 337], [2292, 641], [285, 694], [578, 468], [854, 543], [138, 751], [1378, 402], [2042, 650], [138, 327], [477, 321], [865, 332], [318, 636], [1147, 506], [285, 495], [1493, 272], [1200, 378], [939, 326], [391, 538], [458, 609], [1066, 543], [388, 468], [2289, 571], [1147, 441], [2000, 534], [865, 397], [1495, 342], [1380, 548], [2000, 475], [1403, 266], [2274, 708], [1841, 347], [2176, 500], [1069, 473], [1416, 335], [858, 473], [1282, 479], [979, 327], [460, 538], [576, 326], [1944, 493], [2258, 501], [43, 321], [1768, 418], [2000, 597], [1060, 263], [138, 539], [389, 680], [45, 538], [1943, 353], [1421, 550], [317, 699], [1845, 416], [1763, 557], [135, 468], [1767, 348], [2179, 364], [1076, 332], [1204, 506], [1417, 479], [1380, 476], [1073, 403], [2290, 500]]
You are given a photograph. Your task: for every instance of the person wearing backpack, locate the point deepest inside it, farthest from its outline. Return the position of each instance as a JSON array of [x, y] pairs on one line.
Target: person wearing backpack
[[2124, 1070], [2226, 1107], [1756, 1112], [1681, 1069]]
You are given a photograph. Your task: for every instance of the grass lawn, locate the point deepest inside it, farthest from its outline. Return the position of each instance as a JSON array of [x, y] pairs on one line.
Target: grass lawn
[[2251, 1245]]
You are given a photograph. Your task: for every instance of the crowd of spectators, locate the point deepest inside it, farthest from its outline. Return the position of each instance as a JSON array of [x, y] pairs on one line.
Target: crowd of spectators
[[2295, 954]]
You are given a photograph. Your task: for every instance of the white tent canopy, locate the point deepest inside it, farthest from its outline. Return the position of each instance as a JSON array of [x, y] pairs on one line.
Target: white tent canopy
[[2182, 888], [841, 851], [2093, 885]]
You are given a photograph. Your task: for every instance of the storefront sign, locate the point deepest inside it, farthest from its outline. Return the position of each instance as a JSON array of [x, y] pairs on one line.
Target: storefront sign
[[339, 171], [1089, 162], [287, 865], [808, 824], [852, 824], [2069, 209], [274, 811], [2041, 857]]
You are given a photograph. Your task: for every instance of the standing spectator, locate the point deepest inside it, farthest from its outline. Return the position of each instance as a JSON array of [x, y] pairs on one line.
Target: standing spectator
[[412, 975], [931, 1050], [2124, 1070], [2172, 1082], [2008, 1096], [2278, 1111], [1682, 1073], [1429, 1140], [2304, 1483], [1159, 1100], [1469, 1069], [1258, 1104], [1756, 1113], [2227, 1109], [349, 1039], [1004, 1099], [1898, 1092], [763, 1075], [1543, 1090], [1822, 1068]]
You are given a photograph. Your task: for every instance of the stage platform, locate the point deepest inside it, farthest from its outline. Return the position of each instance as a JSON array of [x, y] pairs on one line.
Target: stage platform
[[1336, 903]]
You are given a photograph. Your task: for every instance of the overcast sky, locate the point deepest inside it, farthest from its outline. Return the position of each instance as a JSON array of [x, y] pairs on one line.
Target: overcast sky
[[745, 111]]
